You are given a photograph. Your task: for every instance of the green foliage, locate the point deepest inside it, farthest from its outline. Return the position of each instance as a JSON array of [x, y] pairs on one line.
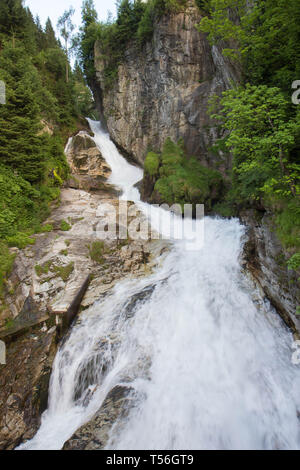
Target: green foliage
[[264, 140], [64, 272], [9, 324], [97, 250], [44, 269], [135, 23], [46, 228], [32, 163], [262, 137], [294, 262], [253, 34], [6, 264], [64, 226], [22, 206], [264, 127], [182, 179], [152, 163], [13, 17], [287, 219], [20, 240], [203, 5]]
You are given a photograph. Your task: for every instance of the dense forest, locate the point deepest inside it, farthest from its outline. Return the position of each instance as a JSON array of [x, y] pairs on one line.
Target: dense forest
[[263, 125], [42, 108]]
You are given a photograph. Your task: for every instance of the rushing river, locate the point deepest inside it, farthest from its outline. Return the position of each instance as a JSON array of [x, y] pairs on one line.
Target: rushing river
[[210, 363]]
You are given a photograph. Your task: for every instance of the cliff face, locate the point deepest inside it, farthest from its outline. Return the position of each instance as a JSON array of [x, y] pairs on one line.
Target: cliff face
[[163, 90]]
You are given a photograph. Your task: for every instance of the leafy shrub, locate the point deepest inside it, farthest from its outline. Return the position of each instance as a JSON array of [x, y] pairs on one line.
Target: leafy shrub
[[182, 179], [97, 250], [152, 163], [64, 252], [64, 272], [44, 269], [294, 262], [6, 264], [20, 240], [64, 226]]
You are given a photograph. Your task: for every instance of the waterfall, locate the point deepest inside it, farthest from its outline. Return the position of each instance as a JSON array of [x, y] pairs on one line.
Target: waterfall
[[208, 360]]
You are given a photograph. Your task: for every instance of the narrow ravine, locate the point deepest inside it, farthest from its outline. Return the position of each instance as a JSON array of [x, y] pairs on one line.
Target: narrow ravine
[[207, 361]]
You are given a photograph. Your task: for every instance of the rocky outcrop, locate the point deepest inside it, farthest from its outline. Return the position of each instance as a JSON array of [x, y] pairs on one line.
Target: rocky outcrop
[[162, 90], [265, 259], [24, 383], [89, 170], [95, 434]]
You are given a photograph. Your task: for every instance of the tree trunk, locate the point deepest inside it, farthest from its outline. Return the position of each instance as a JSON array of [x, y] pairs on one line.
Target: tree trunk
[[67, 62]]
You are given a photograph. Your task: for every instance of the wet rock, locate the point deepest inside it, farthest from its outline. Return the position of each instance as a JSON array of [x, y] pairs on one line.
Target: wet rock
[[24, 383], [95, 434], [86, 159], [265, 258]]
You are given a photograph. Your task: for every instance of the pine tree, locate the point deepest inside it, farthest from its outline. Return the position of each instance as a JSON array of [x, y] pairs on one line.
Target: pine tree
[[20, 145], [12, 18], [50, 38]]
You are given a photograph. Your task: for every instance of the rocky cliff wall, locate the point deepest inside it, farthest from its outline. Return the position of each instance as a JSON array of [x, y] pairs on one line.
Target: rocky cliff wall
[[162, 90]]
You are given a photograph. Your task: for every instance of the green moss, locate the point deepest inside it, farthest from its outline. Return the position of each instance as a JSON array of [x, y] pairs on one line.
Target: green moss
[[9, 324], [64, 252], [64, 272], [44, 269], [64, 226], [68, 243]]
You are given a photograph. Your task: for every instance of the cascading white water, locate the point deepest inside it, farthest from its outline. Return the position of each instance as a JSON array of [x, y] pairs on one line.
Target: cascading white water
[[210, 366]]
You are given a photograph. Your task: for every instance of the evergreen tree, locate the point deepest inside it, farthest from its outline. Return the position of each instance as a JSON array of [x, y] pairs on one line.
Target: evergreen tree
[[20, 145], [50, 38], [12, 18]]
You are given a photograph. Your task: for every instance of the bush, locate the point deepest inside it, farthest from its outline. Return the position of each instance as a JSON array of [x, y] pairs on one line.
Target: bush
[[152, 163], [20, 240], [6, 264], [44, 269], [97, 250], [64, 272], [182, 179], [47, 228], [294, 262], [64, 226]]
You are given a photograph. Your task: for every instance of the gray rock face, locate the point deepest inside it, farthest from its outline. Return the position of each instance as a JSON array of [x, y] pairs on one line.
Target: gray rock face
[[95, 434], [163, 90], [24, 383], [89, 170], [265, 259]]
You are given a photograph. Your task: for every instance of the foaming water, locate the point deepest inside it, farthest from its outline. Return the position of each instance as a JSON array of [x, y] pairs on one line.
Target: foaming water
[[210, 366]]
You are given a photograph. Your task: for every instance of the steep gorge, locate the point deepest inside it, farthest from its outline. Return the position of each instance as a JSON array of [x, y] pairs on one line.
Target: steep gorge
[[162, 90]]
